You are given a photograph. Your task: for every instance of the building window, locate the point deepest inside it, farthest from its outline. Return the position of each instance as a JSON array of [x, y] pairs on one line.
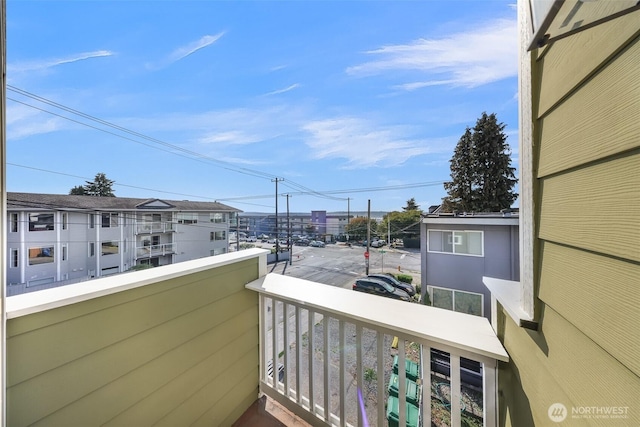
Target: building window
[[92, 249], [109, 248], [217, 217], [41, 222], [14, 223], [218, 235], [187, 218], [109, 219], [65, 220], [14, 261], [64, 252], [460, 301], [456, 242], [40, 255], [92, 221]]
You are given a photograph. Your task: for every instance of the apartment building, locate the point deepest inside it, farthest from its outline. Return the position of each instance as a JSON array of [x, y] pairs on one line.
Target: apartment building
[[60, 239], [457, 251]]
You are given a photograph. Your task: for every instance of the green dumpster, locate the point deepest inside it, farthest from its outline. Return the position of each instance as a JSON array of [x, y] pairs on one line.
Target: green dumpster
[[412, 389], [393, 413], [412, 368]]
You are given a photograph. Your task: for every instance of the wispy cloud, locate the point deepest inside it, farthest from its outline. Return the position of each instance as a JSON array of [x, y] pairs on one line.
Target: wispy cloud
[[286, 89], [364, 144], [23, 121], [472, 58], [49, 63], [184, 51]]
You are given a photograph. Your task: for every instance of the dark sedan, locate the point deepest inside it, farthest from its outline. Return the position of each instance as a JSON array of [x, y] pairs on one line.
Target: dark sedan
[[407, 287], [374, 286]]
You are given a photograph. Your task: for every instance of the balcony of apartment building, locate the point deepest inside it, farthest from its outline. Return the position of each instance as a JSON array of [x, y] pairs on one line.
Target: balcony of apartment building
[[207, 341], [155, 224]]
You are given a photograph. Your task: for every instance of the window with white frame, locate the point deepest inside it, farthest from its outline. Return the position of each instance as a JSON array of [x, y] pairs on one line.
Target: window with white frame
[[65, 220], [218, 235], [460, 301], [64, 252], [41, 222], [92, 249], [92, 220], [14, 262], [109, 219], [40, 255], [14, 223], [109, 248], [456, 242], [187, 218], [217, 217]]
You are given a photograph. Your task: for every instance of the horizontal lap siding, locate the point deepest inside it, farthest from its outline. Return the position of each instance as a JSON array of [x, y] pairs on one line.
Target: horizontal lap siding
[[595, 208], [570, 61], [150, 344], [560, 364], [599, 295]]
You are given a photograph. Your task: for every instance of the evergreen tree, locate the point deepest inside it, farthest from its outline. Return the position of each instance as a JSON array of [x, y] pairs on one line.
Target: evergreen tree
[[482, 178], [101, 186], [411, 205]]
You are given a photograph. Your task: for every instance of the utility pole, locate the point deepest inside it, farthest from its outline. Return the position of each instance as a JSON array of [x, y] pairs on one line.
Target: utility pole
[[289, 243], [348, 216], [368, 235], [276, 180]]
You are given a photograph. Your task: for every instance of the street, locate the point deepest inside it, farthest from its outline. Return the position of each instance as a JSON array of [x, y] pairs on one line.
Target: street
[[339, 265]]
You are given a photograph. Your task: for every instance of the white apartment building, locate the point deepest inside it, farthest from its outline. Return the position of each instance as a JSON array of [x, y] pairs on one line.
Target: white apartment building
[[53, 240]]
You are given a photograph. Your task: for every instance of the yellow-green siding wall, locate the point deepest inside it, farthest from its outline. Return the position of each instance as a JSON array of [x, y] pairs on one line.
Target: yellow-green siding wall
[[586, 104], [178, 352]]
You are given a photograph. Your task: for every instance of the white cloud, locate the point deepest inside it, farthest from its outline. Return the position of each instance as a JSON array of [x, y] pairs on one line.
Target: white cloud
[[286, 89], [472, 58], [184, 51], [363, 143], [49, 63]]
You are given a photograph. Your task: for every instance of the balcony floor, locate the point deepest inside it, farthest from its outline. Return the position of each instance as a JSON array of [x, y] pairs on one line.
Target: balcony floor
[[266, 412]]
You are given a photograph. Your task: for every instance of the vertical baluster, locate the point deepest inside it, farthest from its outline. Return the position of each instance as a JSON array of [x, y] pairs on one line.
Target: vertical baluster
[[381, 399], [285, 345], [262, 316], [489, 387], [327, 355], [298, 354], [454, 362], [274, 343], [402, 383], [359, 377], [311, 336], [343, 387], [425, 369]]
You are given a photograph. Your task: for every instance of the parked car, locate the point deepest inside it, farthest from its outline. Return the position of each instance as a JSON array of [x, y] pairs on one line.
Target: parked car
[[316, 244], [378, 243], [374, 286], [407, 287], [302, 242]]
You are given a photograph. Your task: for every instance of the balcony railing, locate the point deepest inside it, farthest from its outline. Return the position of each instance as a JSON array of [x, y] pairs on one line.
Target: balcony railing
[[339, 357], [155, 250], [155, 227]]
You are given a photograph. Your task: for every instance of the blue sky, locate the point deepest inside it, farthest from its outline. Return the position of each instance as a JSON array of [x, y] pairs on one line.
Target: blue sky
[[212, 100]]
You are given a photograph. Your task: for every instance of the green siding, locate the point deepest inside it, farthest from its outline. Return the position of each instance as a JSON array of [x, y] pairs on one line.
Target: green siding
[[138, 356], [586, 152]]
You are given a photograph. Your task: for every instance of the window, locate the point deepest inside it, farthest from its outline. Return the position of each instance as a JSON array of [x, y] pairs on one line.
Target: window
[[456, 242], [65, 220], [109, 248], [92, 249], [64, 252], [187, 218], [217, 217], [14, 261], [14, 223], [40, 255], [92, 221], [218, 235], [41, 222], [109, 219], [460, 301]]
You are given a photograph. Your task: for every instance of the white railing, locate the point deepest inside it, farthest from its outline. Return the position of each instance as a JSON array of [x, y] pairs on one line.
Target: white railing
[[335, 351], [154, 227], [155, 250]]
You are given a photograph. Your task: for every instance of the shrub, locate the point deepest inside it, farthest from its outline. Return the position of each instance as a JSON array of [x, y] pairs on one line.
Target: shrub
[[405, 278]]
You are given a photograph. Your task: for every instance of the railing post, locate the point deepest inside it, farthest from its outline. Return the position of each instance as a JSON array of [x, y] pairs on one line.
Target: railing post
[[454, 366], [327, 355], [310, 358], [380, 358], [402, 383], [489, 390], [360, 377], [298, 354], [343, 388]]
